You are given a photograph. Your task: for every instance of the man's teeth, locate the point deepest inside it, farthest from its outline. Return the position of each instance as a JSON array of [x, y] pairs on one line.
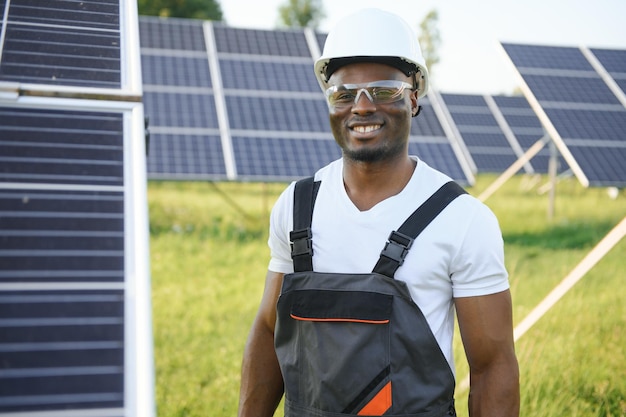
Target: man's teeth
[[366, 129]]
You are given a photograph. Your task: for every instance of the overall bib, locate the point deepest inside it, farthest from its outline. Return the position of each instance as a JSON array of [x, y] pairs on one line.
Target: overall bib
[[357, 344]]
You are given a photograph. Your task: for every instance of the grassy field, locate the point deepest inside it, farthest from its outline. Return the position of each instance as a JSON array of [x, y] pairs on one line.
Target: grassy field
[[209, 257]]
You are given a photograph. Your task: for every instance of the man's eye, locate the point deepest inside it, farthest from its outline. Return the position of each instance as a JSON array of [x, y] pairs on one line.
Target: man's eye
[[344, 96], [383, 93]]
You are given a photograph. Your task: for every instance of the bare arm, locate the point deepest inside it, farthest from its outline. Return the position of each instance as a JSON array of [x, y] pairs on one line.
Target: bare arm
[[487, 331], [261, 380]]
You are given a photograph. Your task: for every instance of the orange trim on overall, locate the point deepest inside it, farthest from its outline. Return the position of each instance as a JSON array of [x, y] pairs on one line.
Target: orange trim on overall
[[339, 319], [379, 404]]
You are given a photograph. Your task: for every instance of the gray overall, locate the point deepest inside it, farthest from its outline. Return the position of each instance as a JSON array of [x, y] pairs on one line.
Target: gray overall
[[357, 344]]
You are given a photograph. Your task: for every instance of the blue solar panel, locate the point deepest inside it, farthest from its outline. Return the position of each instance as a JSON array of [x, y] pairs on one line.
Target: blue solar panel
[[583, 115], [171, 34], [437, 155], [186, 156], [548, 58], [71, 351], [268, 76], [427, 123], [571, 89], [278, 114], [480, 131], [65, 43], [79, 154], [180, 71], [288, 43], [614, 62], [527, 129], [282, 159], [186, 110]]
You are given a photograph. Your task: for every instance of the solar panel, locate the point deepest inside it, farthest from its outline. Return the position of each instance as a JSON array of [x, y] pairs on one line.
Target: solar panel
[[614, 62], [580, 104], [261, 117], [62, 43], [497, 130], [75, 328]]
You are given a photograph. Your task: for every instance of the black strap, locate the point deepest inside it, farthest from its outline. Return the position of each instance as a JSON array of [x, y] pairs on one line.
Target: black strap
[[301, 244], [396, 248], [400, 241]]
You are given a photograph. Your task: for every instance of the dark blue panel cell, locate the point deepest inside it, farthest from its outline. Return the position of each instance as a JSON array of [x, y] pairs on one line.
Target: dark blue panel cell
[[527, 140], [589, 124], [547, 57], [603, 166], [474, 119], [180, 110], [174, 34], [281, 114], [61, 236], [180, 156], [512, 102], [61, 349], [103, 14], [175, 71], [426, 123], [570, 89], [464, 100], [61, 147], [613, 60], [526, 121], [282, 158], [321, 40], [494, 162], [497, 140], [290, 43], [61, 56], [439, 156], [269, 76]]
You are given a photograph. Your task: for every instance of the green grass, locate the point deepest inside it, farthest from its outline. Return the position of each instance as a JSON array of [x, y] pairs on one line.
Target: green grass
[[209, 258]]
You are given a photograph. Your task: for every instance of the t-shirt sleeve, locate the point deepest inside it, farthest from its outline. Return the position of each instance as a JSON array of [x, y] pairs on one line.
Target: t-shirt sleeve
[[478, 267], [281, 222]]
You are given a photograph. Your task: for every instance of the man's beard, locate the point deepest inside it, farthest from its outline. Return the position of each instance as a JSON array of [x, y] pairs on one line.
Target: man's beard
[[378, 154]]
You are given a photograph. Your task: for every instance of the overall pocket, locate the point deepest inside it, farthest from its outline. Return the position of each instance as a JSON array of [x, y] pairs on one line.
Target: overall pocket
[[343, 342]]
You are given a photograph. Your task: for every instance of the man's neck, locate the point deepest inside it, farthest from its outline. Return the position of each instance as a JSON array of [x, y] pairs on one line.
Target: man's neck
[[367, 183]]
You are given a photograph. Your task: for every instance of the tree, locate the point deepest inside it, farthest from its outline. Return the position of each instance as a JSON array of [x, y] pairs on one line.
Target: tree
[[301, 13], [193, 9], [429, 38]]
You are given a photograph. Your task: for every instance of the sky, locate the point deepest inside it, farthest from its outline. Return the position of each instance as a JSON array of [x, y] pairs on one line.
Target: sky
[[471, 59]]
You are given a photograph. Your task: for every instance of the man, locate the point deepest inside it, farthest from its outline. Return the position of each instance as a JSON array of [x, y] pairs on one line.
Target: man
[[342, 336]]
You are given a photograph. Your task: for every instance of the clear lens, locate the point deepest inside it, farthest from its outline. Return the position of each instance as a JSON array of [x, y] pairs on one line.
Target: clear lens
[[378, 92]]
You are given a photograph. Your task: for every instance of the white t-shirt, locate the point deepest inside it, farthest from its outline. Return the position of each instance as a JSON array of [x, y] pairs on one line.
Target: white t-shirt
[[460, 254]]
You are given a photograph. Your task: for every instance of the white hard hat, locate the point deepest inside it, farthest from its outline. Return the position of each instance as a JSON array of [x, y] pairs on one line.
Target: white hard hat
[[372, 35]]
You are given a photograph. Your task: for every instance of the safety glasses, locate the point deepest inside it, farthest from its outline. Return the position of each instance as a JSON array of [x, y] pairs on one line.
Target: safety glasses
[[378, 92]]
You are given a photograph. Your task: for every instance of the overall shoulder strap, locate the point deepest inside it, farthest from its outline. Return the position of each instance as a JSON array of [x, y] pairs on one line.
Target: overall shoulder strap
[[400, 241], [301, 244]]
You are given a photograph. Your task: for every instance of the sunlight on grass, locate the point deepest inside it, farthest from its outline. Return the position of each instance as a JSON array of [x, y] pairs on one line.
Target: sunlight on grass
[[209, 257]]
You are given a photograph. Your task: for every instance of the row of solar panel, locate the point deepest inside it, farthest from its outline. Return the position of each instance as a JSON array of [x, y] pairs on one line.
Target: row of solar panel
[[264, 76]]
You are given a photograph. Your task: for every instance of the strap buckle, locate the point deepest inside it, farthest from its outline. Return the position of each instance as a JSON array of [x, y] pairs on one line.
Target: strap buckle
[[301, 242], [397, 247]]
